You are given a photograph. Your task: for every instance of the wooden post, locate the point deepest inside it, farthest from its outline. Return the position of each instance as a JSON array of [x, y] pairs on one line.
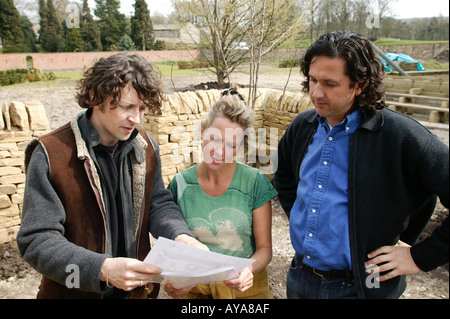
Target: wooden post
[[404, 99], [443, 115], [434, 117]]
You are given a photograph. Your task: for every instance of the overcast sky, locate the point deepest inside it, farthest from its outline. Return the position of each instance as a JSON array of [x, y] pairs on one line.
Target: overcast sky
[[401, 9]]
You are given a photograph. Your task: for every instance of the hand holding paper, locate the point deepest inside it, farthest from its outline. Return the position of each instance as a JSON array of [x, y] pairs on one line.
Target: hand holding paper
[[243, 282], [184, 265], [188, 240]]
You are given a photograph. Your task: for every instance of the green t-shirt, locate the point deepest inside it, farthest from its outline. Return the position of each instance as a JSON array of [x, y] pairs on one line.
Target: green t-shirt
[[223, 223]]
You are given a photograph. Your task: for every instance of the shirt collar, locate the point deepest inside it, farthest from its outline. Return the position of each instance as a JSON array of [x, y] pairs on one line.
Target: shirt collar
[[350, 123], [88, 131]]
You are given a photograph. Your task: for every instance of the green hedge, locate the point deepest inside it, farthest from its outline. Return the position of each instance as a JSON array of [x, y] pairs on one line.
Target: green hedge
[[193, 64], [16, 76], [289, 63]]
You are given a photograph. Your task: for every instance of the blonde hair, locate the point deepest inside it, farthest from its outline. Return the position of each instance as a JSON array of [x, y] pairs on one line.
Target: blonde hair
[[232, 106]]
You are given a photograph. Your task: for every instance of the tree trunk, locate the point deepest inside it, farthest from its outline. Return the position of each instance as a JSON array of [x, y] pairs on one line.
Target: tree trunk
[[220, 77]]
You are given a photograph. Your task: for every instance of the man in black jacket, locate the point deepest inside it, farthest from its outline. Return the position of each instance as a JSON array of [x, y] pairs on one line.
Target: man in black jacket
[[359, 182]]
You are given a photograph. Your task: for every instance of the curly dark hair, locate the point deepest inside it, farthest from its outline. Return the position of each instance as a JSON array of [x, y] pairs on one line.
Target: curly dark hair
[[109, 75], [363, 66]]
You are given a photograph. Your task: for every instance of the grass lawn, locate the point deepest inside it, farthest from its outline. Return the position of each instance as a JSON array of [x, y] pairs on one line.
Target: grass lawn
[[405, 42]]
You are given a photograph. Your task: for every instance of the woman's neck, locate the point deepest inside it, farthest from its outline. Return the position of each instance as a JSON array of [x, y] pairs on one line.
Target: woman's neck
[[215, 182]]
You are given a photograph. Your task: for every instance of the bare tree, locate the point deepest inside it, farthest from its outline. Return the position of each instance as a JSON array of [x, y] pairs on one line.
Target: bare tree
[[225, 26], [312, 6], [331, 15], [257, 50]]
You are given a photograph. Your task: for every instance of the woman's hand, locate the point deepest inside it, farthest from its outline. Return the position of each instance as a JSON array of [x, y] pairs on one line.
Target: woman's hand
[[243, 282], [188, 240], [176, 293]]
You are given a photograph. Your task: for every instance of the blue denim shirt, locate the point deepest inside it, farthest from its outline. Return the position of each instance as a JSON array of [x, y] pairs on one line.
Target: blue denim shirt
[[319, 217]]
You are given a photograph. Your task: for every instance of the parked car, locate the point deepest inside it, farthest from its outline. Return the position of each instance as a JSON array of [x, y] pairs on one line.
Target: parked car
[[239, 46]]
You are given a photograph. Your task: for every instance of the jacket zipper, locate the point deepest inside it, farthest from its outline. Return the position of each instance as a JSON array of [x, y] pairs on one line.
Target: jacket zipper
[[141, 212]]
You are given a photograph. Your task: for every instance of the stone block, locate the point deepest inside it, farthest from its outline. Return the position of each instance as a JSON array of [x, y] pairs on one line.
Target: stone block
[[21, 146], [19, 115], [206, 102], [175, 103], [9, 222], [15, 154], [168, 170], [273, 99], [161, 139], [187, 103], [11, 211], [5, 201], [9, 171], [5, 154], [12, 179], [165, 106], [16, 161], [179, 137], [214, 95], [8, 189], [37, 116], [6, 117], [17, 199], [8, 234], [197, 104], [167, 148], [15, 136]]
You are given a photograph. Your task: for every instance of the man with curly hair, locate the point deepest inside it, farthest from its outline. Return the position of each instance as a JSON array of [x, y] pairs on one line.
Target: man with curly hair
[[359, 182], [94, 190]]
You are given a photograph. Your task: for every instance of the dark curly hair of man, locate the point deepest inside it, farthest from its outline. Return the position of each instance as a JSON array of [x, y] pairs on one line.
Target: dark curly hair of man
[[363, 66], [106, 78]]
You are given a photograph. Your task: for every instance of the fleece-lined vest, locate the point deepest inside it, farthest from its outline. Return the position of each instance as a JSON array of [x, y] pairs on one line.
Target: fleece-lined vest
[[74, 181]]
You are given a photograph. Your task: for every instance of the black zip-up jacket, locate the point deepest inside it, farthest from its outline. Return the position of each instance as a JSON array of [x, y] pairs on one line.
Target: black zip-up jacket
[[397, 169]]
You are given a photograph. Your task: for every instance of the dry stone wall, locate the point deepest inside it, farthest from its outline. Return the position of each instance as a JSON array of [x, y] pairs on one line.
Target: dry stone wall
[[20, 122]]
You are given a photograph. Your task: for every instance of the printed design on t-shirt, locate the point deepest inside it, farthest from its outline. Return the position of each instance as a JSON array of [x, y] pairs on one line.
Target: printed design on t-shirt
[[225, 230]]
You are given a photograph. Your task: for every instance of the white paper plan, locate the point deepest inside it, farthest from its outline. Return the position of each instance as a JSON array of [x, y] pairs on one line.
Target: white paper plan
[[184, 265]]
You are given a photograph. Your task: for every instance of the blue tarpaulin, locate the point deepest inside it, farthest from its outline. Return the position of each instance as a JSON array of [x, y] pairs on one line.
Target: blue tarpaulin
[[400, 57]]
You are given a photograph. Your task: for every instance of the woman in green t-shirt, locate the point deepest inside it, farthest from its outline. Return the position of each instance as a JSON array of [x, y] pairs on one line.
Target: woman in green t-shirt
[[226, 204]]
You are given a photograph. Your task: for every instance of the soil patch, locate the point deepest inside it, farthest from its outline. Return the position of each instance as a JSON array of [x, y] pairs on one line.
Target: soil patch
[[206, 86], [11, 264]]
